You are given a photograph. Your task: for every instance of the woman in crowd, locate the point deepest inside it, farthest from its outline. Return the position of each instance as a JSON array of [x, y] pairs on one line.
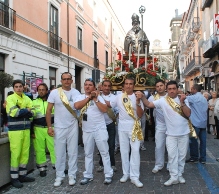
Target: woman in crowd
[[212, 117]]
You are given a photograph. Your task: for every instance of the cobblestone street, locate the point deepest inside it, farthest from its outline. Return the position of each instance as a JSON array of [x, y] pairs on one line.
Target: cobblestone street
[[200, 179]]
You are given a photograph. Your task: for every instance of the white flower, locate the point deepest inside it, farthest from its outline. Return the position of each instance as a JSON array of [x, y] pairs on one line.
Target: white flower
[[135, 70], [109, 68], [109, 73]]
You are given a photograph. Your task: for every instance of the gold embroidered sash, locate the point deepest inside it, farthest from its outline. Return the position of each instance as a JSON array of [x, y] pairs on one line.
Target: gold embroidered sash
[[156, 96], [136, 131], [110, 112], [83, 110], [65, 102], [177, 108]]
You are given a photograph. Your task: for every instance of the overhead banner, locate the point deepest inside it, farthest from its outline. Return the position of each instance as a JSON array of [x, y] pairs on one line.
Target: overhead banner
[[216, 24]]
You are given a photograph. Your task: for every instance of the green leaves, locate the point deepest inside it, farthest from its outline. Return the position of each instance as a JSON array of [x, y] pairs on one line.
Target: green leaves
[[6, 80]]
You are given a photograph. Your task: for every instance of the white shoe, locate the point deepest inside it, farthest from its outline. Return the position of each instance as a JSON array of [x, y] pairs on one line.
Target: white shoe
[[71, 181], [143, 148], [155, 170], [124, 178], [171, 182], [58, 182], [181, 180], [137, 183]]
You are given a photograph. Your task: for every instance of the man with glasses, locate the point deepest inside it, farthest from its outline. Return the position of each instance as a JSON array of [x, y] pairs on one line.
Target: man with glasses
[[19, 109], [92, 107], [65, 129]]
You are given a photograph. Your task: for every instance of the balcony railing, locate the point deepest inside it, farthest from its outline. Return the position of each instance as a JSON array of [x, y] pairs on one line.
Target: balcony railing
[[207, 45], [184, 49], [55, 42], [196, 24], [7, 17], [206, 3], [191, 35], [193, 66]]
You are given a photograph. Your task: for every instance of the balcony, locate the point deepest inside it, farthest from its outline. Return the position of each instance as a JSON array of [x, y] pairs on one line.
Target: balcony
[[191, 36], [188, 43], [184, 49], [193, 66], [206, 3], [55, 42], [196, 24], [7, 19], [207, 48]]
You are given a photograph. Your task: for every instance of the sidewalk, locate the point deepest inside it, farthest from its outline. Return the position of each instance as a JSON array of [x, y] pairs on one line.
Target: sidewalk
[[199, 178]]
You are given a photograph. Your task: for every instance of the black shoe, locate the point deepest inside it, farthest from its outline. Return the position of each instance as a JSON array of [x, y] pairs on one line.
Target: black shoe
[[66, 171], [190, 160], [26, 179], [43, 173], [216, 138], [16, 183]]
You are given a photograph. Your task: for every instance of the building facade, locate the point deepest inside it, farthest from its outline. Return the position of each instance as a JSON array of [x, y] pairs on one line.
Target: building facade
[[39, 41], [189, 53]]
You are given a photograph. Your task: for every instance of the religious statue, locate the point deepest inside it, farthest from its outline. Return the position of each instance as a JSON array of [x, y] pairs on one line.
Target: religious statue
[[136, 38]]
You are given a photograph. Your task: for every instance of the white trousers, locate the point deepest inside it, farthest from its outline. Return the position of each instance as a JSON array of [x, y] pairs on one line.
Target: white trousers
[[143, 124], [177, 148], [100, 137], [117, 134], [160, 141], [132, 167], [66, 137]]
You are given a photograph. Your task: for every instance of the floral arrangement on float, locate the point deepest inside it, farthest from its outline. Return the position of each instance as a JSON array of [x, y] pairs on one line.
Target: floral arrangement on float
[[144, 70]]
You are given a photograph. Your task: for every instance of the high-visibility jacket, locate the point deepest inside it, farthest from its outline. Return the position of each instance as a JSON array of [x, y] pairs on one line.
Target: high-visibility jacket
[[18, 115], [39, 117]]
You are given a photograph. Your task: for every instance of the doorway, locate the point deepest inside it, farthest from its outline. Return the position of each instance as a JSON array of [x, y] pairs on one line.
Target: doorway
[[78, 78]]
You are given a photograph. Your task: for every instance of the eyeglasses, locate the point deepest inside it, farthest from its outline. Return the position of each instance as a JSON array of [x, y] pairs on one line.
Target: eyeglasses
[[66, 79]]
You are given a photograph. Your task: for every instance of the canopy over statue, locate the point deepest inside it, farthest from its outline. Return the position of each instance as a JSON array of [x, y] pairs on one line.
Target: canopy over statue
[[136, 37]]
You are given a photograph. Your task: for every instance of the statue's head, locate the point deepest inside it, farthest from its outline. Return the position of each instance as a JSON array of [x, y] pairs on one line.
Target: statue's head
[[135, 19]]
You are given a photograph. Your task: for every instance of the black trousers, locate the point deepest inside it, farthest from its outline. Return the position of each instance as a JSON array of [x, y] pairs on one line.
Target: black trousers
[[111, 142]]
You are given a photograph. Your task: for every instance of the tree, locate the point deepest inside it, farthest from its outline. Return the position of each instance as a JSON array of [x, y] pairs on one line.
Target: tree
[[6, 81]]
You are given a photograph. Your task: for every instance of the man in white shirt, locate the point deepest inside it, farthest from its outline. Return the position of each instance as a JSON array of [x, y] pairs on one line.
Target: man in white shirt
[[176, 112], [160, 127], [131, 168], [92, 107], [110, 119], [65, 130]]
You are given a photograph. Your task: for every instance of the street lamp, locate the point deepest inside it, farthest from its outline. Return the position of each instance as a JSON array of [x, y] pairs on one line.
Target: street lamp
[[142, 9]]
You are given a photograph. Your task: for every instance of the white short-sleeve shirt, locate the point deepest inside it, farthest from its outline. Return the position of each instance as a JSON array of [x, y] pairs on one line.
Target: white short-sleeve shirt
[[175, 123], [158, 113], [126, 122], [95, 118], [62, 117], [109, 98]]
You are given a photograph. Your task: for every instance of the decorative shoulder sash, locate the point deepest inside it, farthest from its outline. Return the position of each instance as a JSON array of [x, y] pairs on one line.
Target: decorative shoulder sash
[[83, 110], [156, 96], [136, 131], [65, 102], [177, 108], [110, 112]]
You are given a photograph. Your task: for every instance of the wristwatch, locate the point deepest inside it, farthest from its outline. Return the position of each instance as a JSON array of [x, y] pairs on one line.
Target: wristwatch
[[138, 104], [97, 101]]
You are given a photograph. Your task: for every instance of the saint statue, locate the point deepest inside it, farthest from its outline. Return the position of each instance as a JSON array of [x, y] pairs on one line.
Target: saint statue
[[136, 37]]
